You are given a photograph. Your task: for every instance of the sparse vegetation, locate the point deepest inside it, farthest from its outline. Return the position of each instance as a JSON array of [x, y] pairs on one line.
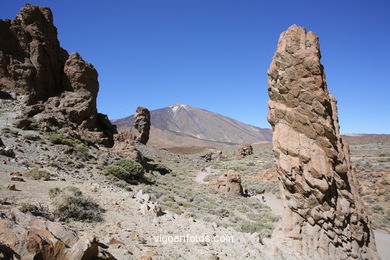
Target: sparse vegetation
[[31, 137], [37, 174], [36, 210], [125, 169], [250, 227], [61, 139], [71, 204]]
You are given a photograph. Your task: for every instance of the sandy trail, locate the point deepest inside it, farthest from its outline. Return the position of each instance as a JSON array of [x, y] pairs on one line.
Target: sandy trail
[[273, 202], [383, 244]]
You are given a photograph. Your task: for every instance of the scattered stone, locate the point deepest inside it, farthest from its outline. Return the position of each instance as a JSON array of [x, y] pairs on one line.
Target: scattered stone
[[29, 237], [313, 162], [17, 178], [114, 241], [146, 258], [146, 205], [211, 155], [16, 174], [12, 187], [6, 151], [229, 182], [245, 150]]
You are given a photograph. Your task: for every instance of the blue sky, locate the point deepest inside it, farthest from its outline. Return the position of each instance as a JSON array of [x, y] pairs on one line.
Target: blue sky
[[214, 54]]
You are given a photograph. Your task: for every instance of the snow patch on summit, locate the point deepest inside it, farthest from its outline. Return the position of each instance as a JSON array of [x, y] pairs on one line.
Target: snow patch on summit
[[176, 107]]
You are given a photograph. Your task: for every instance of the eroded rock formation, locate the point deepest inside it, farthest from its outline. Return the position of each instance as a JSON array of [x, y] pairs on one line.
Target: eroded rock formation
[[61, 89], [24, 236], [142, 124], [245, 150], [324, 216], [229, 182]]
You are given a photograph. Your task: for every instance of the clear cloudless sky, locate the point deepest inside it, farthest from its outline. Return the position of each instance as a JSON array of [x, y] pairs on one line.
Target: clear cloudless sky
[[214, 54]]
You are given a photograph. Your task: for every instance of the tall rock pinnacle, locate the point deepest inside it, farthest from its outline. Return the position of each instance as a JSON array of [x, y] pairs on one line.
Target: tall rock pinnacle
[[324, 216], [142, 124], [60, 89]]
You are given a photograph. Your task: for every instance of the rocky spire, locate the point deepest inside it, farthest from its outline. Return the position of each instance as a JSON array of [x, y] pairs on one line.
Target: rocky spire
[[324, 216], [142, 124], [60, 89]]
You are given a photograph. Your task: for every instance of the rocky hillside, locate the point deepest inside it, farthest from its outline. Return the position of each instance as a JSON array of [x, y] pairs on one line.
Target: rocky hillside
[[183, 125]]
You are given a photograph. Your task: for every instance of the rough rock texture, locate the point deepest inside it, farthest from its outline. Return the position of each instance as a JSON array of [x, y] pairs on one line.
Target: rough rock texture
[[24, 236], [211, 155], [324, 217], [229, 182], [6, 151], [125, 147], [61, 89], [245, 150], [142, 124]]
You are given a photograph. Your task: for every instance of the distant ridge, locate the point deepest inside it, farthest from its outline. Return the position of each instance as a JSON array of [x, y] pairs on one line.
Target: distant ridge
[[187, 126]]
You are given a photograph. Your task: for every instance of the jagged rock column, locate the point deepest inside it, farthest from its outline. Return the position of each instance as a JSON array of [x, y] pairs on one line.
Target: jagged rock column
[[142, 124], [324, 216]]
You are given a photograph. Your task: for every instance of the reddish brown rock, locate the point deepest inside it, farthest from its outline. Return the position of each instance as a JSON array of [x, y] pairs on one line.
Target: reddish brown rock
[[60, 89], [245, 150], [125, 147], [24, 236], [142, 124], [229, 182], [324, 217]]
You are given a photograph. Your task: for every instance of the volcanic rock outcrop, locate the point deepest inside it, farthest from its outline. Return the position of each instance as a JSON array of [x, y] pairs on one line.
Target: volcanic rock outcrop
[[245, 150], [142, 124], [229, 182], [60, 89], [324, 217], [24, 236]]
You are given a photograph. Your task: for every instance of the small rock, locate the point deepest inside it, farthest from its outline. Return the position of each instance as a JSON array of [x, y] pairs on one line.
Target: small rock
[[17, 178], [12, 187]]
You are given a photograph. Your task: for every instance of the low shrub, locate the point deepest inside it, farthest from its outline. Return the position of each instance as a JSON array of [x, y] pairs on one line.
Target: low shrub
[[31, 137], [60, 139], [36, 210], [126, 170], [250, 227], [37, 174], [70, 204]]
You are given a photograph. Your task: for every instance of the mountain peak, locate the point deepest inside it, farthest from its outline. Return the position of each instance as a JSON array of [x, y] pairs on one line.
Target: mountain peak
[[176, 107], [184, 125]]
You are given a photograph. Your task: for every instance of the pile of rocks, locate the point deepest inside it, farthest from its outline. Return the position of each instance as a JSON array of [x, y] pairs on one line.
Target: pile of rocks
[[146, 205], [23, 236]]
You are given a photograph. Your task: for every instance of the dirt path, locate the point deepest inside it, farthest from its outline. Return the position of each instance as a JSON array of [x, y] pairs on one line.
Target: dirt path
[[273, 202], [203, 173], [382, 244]]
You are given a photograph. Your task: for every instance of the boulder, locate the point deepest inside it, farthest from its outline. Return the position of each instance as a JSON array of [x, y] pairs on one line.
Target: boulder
[[245, 150], [325, 217], [6, 151], [229, 182], [125, 147], [23, 236]]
